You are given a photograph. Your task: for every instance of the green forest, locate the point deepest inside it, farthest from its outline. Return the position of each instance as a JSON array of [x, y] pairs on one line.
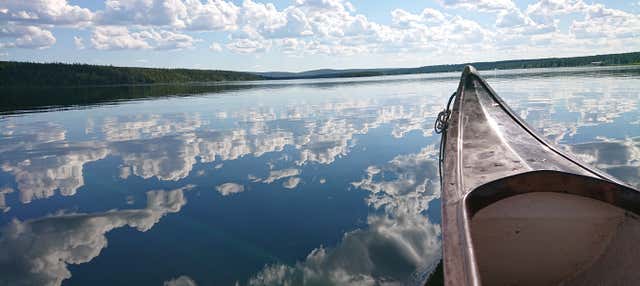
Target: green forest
[[59, 74], [598, 60], [605, 60]]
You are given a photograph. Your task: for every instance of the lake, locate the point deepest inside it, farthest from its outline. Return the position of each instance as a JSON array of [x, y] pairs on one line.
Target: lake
[[322, 182]]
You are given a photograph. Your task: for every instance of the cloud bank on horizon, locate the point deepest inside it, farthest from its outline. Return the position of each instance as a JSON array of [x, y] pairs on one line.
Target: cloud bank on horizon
[[304, 34]]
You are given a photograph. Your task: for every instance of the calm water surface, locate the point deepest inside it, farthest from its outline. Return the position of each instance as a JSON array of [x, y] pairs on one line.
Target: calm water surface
[[325, 182]]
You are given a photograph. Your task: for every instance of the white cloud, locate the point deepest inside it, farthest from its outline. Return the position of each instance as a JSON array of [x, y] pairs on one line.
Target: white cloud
[[327, 27], [115, 38], [212, 15], [602, 22], [141, 12], [56, 12], [247, 46], [78, 42], [215, 47], [230, 189], [180, 14], [403, 18], [118, 38], [31, 37], [167, 40], [480, 5], [544, 11], [598, 20], [258, 20]]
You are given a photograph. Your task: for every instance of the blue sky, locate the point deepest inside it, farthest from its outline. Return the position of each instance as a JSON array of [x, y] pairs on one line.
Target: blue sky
[[299, 35]]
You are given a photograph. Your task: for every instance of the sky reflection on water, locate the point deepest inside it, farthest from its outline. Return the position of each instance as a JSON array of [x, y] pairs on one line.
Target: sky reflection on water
[[298, 183]]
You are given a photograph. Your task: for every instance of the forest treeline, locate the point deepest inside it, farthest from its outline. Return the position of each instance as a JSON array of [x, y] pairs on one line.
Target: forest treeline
[[60, 74], [597, 60]]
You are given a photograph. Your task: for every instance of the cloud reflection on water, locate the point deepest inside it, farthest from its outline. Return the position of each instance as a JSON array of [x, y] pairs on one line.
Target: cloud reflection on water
[[167, 146], [398, 240], [37, 252], [619, 157]]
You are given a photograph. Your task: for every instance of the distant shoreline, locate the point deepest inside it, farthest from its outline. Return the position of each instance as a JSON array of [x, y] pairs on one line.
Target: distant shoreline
[[632, 58], [15, 74]]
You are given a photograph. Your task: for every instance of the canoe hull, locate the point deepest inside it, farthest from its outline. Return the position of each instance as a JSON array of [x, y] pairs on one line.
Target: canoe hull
[[491, 155]]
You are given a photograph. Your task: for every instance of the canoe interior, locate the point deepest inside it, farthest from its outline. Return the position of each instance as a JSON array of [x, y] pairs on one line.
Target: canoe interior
[[517, 210], [550, 234]]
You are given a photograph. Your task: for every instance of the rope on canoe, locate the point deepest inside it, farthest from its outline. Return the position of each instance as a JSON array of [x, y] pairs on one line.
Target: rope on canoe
[[440, 127]]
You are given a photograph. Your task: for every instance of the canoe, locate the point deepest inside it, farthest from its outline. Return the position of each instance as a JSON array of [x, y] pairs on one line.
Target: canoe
[[517, 210]]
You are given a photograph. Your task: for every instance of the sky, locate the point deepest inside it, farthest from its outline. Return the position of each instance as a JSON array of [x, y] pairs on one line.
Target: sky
[[297, 35]]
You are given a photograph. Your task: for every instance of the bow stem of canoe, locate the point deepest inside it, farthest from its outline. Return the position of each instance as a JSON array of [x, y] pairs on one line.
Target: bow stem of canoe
[[517, 210]]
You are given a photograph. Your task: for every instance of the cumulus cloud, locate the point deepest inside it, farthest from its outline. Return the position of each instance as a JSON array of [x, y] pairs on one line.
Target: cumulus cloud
[[247, 46], [326, 27], [181, 14], [543, 11], [602, 22], [58, 12], [118, 38], [264, 20], [114, 38], [37, 252], [212, 15], [31, 37], [480, 5], [406, 19], [230, 189]]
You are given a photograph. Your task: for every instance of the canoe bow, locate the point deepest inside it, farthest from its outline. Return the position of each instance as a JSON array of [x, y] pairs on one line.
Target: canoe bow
[[491, 154]]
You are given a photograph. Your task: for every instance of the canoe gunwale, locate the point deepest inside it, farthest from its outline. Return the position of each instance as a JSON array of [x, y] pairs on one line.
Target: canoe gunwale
[[465, 191], [471, 71]]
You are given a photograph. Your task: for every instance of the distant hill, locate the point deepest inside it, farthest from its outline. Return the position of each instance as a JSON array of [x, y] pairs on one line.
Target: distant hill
[[59, 74], [601, 60]]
